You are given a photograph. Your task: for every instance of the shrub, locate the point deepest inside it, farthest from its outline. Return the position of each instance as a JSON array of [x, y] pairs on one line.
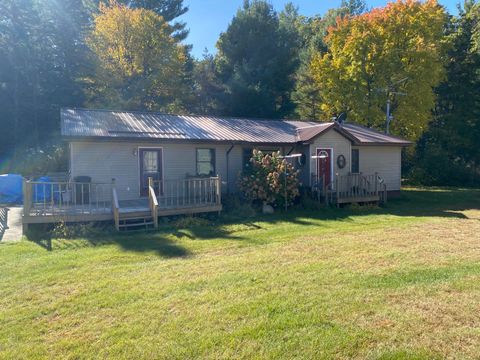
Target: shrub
[[63, 231], [265, 179], [309, 202], [236, 207]]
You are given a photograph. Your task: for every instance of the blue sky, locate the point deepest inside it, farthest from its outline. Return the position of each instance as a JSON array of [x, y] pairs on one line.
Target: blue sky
[[208, 18]]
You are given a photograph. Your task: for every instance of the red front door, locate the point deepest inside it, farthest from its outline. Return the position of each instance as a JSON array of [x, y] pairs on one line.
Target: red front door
[[324, 166]]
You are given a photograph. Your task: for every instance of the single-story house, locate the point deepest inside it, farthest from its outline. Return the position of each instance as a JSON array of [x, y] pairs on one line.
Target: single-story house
[[131, 147]]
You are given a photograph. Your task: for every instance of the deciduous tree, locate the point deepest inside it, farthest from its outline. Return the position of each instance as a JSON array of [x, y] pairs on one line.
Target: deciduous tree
[[372, 51], [139, 64]]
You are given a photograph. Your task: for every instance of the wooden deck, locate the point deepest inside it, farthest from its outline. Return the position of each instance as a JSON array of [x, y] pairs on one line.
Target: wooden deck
[[86, 202], [350, 189]]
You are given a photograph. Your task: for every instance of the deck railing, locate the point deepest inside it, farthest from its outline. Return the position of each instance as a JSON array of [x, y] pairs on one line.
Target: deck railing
[[349, 188], [188, 193], [3, 220], [66, 198], [353, 186]]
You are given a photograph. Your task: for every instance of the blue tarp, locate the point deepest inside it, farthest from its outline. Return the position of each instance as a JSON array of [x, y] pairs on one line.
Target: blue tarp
[[11, 189], [44, 192]]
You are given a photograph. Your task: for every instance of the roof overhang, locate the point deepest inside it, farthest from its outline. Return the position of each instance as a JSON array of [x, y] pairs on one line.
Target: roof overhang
[[170, 141]]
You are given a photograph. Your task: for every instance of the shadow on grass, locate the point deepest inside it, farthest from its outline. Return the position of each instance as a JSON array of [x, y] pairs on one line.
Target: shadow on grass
[[447, 203], [134, 241]]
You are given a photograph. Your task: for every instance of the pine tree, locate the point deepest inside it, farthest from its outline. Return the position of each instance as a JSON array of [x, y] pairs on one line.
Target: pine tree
[[255, 62], [448, 152], [168, 9]]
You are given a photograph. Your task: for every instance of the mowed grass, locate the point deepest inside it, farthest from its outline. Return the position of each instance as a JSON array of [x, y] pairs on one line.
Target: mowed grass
[[402, 282]]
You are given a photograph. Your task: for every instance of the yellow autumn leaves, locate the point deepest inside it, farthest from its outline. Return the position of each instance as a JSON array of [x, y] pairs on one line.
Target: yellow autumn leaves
[[373, 51], [139, 64]]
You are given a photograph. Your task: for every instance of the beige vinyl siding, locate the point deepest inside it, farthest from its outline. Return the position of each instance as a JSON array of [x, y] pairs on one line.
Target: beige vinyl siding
[[340, 145], [384, 160], [103, 161]]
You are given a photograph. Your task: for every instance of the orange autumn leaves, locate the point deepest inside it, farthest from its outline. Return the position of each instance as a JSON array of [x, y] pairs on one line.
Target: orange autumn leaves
[[369, 52]]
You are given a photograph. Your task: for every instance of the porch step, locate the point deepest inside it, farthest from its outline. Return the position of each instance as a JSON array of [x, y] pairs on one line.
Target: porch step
[[135, 218], [136, 223]]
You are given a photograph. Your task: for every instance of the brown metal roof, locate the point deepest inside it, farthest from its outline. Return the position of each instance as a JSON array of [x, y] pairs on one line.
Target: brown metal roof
[[119, 124], [358, 134], [308, 132], [367, 136], [86, 123]]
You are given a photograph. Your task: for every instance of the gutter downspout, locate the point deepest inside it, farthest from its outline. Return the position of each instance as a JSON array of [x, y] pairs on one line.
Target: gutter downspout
[[228, 163]]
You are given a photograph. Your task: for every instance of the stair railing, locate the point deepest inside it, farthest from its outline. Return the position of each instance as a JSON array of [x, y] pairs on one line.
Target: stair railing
[[153, 202], [383, 192], [189, 192], [115, 207]]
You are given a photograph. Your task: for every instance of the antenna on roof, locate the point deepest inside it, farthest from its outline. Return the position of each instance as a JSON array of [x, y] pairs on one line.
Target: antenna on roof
[[342, 118], [390, 90]]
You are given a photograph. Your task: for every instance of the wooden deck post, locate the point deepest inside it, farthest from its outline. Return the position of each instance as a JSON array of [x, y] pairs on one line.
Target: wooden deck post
[[115, 207], [27, 197], [337, 190], [219, 190]]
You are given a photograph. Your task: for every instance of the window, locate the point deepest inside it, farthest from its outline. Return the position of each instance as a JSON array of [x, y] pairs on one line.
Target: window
[[247, 155], [355, 161], [205, 162]]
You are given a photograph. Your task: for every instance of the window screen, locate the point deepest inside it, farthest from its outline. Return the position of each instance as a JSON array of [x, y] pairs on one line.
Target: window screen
[[206, 162], [247, 155], [355, 161]]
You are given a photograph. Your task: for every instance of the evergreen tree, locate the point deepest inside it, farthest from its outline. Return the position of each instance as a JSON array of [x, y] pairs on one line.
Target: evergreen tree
[[255, 62], [448, 152], [42, 55], [168, 9], [207, 88]]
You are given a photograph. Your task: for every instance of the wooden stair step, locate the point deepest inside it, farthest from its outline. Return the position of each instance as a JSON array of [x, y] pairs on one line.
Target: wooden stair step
[[136, 224], [136, 218]]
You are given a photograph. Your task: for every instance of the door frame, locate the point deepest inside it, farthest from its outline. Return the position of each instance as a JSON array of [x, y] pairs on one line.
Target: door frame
[[139, 148], [331, 161]]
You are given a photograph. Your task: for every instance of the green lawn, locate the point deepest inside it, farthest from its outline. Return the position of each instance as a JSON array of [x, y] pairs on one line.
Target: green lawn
[[401, 282]]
